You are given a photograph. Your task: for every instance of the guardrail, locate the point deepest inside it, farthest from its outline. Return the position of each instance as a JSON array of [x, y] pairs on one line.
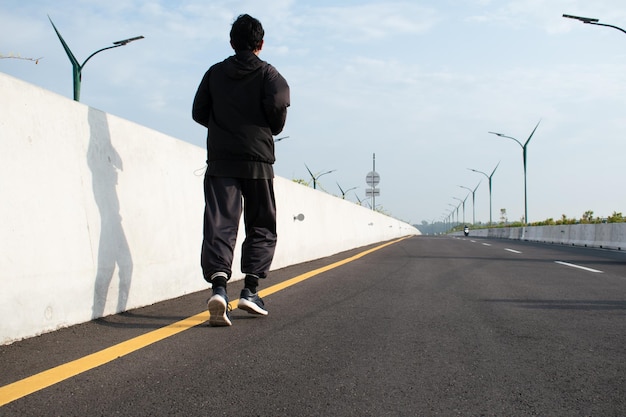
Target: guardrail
[[605, 235]]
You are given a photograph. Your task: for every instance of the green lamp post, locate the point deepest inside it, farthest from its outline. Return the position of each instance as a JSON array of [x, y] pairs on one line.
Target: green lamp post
[[463, 202], [316, 177], [489, 178], [343, 193], [473, 201], [524, 147], [78, 68]]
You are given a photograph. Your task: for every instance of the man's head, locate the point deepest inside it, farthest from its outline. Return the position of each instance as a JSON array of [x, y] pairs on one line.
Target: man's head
[[246, 34]]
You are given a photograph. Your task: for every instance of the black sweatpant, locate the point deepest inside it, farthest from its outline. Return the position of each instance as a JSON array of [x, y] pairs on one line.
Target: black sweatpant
[[225, 198]]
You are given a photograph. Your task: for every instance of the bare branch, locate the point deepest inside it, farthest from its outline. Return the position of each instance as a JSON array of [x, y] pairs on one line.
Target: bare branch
[[13, 56]]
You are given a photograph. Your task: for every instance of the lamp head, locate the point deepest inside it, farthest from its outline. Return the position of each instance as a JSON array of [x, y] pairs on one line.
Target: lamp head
[[582, 19], [125, 41]]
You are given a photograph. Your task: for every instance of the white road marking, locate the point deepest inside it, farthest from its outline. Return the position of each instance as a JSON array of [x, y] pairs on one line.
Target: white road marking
[[578, 266], [486, 244], [512, 250]]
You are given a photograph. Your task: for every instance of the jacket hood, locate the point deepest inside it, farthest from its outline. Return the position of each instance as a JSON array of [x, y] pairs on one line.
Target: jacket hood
[[242, 64]]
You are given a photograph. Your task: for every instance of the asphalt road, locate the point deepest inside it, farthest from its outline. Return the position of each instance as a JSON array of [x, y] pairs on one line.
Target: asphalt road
[[426, 326]]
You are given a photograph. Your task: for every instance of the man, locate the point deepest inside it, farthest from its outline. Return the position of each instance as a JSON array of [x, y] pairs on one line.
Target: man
[[243, 102]]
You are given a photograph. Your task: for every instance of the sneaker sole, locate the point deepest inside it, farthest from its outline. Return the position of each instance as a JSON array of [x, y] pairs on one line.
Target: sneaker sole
[[251, 307], [217, 311]]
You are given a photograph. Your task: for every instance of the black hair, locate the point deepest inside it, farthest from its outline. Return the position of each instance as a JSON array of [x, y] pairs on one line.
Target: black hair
[[246, 33]]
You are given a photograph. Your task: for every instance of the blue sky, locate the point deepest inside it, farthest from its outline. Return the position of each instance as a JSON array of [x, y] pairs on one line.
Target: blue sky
[[418, 83]]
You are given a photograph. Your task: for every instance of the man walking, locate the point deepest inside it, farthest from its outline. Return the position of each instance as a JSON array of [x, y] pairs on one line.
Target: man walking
[[243, 102]]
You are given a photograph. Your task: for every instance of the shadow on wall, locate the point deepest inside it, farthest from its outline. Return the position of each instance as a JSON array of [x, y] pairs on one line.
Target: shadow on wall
[[113, 249]]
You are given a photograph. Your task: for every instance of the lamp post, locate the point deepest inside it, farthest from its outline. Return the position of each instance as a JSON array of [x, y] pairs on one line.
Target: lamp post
[[592, 21], [446, 220], [450, 218], [473, 201], [315, 178], [463, 202], [524, 147], [489, 178], [457, 214], [343, 193], [77, 68]]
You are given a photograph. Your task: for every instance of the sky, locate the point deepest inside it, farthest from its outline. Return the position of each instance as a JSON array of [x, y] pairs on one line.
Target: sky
[[419, 84]]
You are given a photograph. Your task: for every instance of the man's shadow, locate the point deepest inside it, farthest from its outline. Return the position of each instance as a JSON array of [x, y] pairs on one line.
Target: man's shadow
[[113, 249]]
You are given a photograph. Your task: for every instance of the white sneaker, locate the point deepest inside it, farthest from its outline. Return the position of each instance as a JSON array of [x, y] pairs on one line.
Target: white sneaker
[[219, 314]]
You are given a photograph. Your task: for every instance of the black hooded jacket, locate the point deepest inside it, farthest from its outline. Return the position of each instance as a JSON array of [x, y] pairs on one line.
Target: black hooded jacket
[[243, 102]]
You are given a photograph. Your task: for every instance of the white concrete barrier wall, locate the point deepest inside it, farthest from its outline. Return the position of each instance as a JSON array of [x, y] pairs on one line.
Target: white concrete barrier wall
[[99, 215], [605, 235]]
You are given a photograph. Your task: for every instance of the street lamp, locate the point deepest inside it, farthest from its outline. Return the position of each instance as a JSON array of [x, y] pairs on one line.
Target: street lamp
[[343, 193], [450, 218], [524, 147], [77, 69], [473, 201], [446, 220], [315, 178], [359, 200], [489, 178], [457, 213], [592, 21], [463, 202]]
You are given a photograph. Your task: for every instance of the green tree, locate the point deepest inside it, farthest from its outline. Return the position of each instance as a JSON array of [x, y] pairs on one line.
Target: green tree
[[616, 218], [587, 217]]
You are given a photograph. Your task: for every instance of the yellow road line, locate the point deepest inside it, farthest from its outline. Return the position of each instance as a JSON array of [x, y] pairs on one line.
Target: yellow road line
[[37, 382]]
